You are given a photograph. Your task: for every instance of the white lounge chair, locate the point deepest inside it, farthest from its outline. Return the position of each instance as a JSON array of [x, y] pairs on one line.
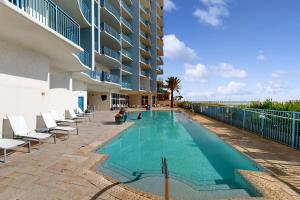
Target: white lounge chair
[[21, 130], [7, 144], [83, 114], [60, 118], [72, 115], [52, 126]]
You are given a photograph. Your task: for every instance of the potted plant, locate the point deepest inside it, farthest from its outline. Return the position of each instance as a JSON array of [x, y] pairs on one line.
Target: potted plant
[[119, 118]]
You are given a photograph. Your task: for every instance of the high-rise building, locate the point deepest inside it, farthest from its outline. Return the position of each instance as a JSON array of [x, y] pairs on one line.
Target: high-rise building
[[59, 54]]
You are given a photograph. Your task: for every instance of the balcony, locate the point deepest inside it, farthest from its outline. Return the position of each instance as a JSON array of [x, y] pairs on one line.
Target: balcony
[[145, 73], [85, 58], [109, 13], [145, 12], [160, 51], [46, 29], [110, 35], [160, 79], [126, 41], [159, 30], [145, 38], [126, 25], [159, 41], [127, 69], [145, 25], [126, 55], [127, 85], [145, 50], [112, 78], [126, 11], [97, 77], [159, 61], [145, 63], [159, 70], [143, 88], [109, 57]]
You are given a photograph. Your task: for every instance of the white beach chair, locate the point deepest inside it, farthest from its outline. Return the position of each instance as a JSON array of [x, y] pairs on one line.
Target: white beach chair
[[72, 115], [52, 126], [60, 118], [7, 144], [21, 130], [83, 114]]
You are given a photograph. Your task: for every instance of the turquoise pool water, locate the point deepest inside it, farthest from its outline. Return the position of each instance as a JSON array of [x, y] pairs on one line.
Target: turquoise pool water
[[201, 166]]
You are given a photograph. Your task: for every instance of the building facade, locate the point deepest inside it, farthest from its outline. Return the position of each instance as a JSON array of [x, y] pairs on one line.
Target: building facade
[[57, 54]]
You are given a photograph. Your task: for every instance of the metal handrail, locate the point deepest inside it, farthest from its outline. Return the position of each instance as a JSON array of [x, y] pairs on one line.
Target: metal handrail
[[165, 172]]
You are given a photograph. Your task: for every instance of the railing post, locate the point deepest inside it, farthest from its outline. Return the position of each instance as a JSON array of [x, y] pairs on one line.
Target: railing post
[[164, 171], [244, 118], [294, 131]]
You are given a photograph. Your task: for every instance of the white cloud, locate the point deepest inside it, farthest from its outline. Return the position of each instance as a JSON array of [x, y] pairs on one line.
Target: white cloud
[[175, 49], [232, 88], [277, 73], [195, 72], [227, 70], [169, 5], [214, 12], [271, 88], [261, 56]]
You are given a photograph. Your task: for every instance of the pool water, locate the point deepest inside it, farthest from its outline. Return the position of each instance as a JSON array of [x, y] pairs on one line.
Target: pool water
[[201, 166]]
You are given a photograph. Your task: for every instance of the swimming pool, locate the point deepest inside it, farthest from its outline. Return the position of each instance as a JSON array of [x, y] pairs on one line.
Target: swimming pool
[[201, 166]]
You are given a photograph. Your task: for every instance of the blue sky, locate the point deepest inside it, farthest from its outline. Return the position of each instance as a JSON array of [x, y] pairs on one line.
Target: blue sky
[[234, 49]]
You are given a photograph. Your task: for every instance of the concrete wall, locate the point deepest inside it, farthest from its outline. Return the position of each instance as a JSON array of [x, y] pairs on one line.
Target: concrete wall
[[29, 85], [95, 100]]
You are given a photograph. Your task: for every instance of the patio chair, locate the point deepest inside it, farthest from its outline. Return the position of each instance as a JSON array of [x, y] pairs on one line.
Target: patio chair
[[21, 130], [72, 115], [60, 118], [52, 126], [83, 114], [7, 144]]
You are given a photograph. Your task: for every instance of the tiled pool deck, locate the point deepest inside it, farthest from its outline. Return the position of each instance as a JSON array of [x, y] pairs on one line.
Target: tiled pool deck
[[66, 170]]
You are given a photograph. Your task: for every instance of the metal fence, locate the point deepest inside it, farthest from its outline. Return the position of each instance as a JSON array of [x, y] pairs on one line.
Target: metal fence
[[280, 126]]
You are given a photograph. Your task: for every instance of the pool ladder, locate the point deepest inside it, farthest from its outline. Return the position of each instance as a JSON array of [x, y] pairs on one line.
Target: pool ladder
[[165, 172]]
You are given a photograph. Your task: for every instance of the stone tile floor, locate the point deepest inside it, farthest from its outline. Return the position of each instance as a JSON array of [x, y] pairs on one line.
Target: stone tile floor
[[67, 170]]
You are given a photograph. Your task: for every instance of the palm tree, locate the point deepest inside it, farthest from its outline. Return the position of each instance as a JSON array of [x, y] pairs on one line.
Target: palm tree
[[173, 83]]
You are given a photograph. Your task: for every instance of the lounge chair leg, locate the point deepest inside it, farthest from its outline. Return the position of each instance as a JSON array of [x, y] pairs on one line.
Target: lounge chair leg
[[77, 131], [4, 155], [54, 138], [29, 146], [40, 144]]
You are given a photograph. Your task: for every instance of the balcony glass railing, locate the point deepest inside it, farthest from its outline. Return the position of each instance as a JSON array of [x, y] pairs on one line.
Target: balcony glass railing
[[126, 23], [126, 85], [146, 10], [145, 60], [108, 29], [159, 48], [145, 22], [142, 87], [144, 35], [126, 7], [110, 8], [108, 77], [85, 58], [126, 53], [103, 76], [144, 47], [127, 38], [49, 14], [145, 73], [111, 53], [126, 68], [85, 9]]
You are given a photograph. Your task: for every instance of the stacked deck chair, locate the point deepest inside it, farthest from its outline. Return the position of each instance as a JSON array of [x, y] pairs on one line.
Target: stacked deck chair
[[21, 130], [7, 144], [60, 118], [72, 115], [53, 127], [83, 114]]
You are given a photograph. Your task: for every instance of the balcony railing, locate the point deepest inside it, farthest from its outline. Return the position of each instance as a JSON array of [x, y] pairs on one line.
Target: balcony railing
[[146, 10], [144, 47], [85, 58], [126, 53], [110, 8], [85, 10], [144, 60], [145, 22], [146, 36], [142, 87], [127, 23], [126, 7], [126, 85], [49, 14], [111, 53], [159, 48], [108, 29], [127, 38], [103, 76], [127, 68], [145, 73]]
